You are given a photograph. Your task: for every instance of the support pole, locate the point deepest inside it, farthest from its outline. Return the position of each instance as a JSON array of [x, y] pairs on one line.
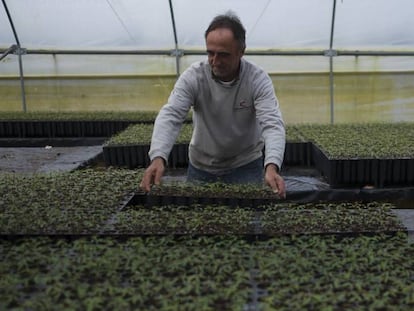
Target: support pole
[[177, 53], [22, 88], [19, 51], [331, 56]]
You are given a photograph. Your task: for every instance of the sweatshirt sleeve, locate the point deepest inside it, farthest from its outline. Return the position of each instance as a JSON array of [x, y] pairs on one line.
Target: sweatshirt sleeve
[[270, 120], [169, 120]]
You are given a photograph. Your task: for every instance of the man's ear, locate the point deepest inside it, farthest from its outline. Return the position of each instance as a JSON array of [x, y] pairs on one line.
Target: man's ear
[[242, 51]]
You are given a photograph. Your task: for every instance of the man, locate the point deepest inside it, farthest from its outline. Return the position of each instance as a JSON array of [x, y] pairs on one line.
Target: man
[[235, 115]]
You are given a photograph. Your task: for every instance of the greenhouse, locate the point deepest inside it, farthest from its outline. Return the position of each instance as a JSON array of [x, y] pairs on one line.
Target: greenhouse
[[82, 83]]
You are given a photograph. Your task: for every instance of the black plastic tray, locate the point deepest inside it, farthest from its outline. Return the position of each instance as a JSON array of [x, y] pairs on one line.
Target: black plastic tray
[[402, 197], [362, 172], [133, 156], [31, 128]]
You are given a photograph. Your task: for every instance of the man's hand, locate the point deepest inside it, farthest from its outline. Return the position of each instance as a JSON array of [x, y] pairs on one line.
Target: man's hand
[[153, 174], [274, 180]]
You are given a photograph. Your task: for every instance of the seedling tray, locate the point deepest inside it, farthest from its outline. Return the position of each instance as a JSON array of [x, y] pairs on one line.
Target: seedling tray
[[133, 156], [337, 172], [248, 223], [402, 196], [32, 128], [361, 172], [298, 153], [288, 219], [149, 200]]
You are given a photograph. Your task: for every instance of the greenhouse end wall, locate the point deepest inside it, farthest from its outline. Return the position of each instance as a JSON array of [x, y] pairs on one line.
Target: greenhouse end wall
[[364, 88]]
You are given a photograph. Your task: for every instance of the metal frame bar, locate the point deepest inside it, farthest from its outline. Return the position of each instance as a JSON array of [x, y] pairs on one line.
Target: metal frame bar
[[11, 49], [182, 52]]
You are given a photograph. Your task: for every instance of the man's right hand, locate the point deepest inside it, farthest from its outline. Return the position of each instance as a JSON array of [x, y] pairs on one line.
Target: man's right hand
[[153, 174]]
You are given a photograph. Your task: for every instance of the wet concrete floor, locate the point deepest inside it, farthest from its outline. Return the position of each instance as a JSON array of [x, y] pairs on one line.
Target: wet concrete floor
[[46, 159]]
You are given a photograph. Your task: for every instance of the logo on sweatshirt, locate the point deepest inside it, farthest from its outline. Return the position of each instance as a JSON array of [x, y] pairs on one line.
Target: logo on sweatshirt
[[243, 104]]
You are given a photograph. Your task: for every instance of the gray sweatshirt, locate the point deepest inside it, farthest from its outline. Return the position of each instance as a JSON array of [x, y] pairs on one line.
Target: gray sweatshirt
[[232, 122]]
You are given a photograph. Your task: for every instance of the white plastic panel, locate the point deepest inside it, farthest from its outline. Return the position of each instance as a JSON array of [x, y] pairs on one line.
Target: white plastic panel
[[277, 24], [147, 24], [90, 24], [374, 25]]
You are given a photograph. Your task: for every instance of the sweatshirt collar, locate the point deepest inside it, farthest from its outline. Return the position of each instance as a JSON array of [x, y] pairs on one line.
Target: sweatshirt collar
[[231, 83]]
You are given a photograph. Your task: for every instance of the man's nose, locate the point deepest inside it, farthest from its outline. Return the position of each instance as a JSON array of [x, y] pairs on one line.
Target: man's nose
[[214, 58]]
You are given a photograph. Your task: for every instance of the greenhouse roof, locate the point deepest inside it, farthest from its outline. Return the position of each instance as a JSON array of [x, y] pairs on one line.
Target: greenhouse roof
[[164, 25]]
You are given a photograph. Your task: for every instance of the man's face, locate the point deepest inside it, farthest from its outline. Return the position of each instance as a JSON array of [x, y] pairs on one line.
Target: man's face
[[224, 53]]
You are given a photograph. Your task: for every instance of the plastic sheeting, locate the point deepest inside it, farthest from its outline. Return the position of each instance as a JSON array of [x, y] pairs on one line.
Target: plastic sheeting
[[147, 24], [129, 25]]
